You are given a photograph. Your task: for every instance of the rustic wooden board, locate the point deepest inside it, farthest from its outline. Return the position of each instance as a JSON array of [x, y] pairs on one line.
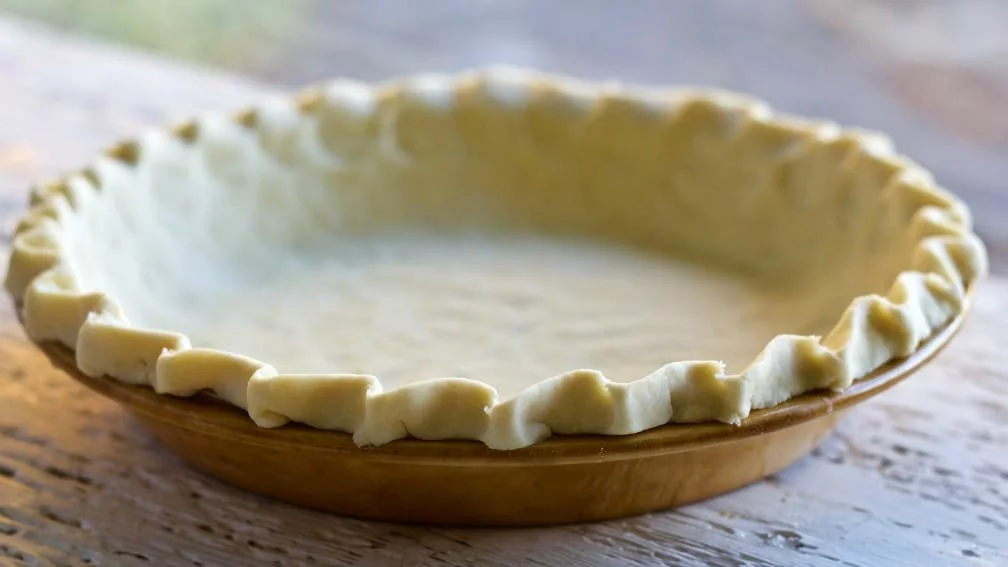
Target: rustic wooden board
[[918, 476]]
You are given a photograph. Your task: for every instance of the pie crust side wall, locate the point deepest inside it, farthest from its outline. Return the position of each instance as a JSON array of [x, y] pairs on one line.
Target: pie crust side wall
[[947, 259]]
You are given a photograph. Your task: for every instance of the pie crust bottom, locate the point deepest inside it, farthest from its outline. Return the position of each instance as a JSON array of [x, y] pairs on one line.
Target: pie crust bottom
[[508, 310]]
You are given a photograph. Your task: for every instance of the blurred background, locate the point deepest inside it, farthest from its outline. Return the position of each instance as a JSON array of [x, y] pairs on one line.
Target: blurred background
[[931, 73]]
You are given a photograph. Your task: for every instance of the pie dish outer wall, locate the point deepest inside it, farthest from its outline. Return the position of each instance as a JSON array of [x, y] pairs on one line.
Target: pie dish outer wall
[[946, 259]]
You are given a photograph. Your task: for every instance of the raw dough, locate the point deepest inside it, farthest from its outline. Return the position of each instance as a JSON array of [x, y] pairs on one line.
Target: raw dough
[[500, 256], [509, 311]]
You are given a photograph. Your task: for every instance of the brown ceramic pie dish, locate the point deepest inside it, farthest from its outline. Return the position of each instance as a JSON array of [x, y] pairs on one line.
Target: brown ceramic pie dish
[[500, 297]]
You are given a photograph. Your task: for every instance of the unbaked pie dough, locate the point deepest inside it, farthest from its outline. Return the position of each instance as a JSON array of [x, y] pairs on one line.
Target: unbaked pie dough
[[499, 255]]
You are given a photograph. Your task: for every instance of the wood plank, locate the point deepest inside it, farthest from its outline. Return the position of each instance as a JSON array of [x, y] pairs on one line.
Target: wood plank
[[917, 476]]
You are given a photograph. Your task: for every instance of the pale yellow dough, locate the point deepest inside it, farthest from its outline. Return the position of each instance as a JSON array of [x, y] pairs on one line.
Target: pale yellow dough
[[499, 255], [508, 311]]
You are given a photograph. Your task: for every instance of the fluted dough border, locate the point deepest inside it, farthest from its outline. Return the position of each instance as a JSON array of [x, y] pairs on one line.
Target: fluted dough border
[[948, 258]]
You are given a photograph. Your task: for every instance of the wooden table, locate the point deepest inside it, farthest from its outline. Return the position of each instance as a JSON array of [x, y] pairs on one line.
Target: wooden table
[[918, 476]]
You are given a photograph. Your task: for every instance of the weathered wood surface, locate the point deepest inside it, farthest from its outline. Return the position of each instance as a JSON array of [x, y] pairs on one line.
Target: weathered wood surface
[[918, 476]]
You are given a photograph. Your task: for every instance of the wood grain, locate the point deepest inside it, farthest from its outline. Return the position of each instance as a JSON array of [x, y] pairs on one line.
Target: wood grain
[[918, 476]]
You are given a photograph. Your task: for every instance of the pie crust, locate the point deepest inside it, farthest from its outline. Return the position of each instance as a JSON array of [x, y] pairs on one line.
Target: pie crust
[[837, 231]]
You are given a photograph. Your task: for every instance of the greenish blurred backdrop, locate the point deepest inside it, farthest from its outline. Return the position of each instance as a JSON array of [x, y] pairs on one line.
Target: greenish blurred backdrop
[[239, 34]]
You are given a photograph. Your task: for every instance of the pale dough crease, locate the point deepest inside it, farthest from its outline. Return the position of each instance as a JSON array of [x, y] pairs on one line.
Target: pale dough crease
[[510, 254]]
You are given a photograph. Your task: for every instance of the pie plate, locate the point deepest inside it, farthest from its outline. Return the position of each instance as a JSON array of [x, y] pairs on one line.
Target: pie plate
[[500, 297]]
